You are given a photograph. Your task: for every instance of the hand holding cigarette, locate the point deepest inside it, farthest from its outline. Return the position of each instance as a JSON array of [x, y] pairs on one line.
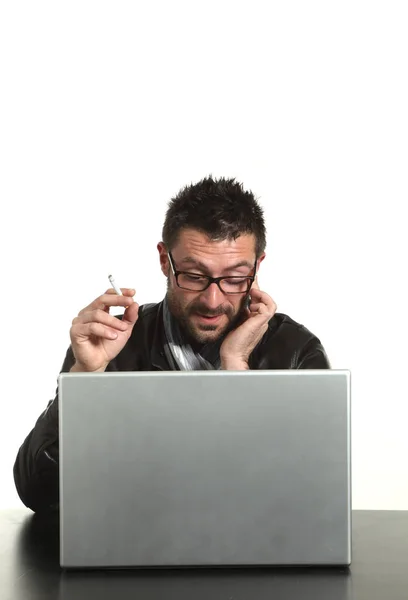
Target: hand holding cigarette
[[96, 336]]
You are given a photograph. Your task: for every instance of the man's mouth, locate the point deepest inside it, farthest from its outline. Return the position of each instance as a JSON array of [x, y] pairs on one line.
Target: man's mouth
[[208, 318]]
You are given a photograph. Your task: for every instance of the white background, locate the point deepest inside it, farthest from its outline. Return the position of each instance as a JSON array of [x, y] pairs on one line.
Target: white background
[[108, 108]]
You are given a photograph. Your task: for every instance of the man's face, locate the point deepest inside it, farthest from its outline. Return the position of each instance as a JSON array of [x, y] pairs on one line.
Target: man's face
[[207, 315]]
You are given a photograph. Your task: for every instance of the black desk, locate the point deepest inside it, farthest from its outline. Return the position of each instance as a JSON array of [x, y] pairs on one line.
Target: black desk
[[29, 569]]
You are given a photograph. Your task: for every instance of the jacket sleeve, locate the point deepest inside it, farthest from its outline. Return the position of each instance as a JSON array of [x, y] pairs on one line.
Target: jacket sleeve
[[36, 469], [313, 356]]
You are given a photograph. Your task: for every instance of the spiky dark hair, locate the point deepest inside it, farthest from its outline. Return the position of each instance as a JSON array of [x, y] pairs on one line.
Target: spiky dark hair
[[220, 208]]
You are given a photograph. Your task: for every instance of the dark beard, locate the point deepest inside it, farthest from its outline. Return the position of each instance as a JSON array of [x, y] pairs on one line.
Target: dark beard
[[189, 332], [198, 345]]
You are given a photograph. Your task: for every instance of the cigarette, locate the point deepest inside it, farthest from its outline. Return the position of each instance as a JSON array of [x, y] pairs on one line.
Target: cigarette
[[113, 284]]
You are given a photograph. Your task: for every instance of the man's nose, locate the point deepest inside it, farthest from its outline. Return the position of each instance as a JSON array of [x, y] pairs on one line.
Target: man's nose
[[212, 296]]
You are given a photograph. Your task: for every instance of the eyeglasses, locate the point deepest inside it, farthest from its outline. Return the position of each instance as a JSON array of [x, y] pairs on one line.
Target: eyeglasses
[[194, 282]]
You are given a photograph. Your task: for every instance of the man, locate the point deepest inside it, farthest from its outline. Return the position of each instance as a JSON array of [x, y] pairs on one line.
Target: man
[[214, 316]]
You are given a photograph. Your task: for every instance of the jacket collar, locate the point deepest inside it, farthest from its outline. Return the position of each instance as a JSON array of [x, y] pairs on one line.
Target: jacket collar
[[157, 356]]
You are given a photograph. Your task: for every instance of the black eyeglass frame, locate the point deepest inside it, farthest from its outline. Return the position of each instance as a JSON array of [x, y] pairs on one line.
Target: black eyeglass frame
[[211, 279]]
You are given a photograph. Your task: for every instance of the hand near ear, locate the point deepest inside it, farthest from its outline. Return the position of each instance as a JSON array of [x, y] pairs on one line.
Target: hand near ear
[[239, 343]]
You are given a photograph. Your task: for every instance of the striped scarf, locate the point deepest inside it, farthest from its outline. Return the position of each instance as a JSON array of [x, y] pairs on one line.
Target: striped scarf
[[180, 354]]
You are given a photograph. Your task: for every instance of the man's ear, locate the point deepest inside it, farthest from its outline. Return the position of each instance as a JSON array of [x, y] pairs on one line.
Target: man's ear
[[256, 282], [260, 259], [164, 259]]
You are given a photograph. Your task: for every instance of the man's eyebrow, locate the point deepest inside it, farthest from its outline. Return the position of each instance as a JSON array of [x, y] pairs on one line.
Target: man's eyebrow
[[197, 263]]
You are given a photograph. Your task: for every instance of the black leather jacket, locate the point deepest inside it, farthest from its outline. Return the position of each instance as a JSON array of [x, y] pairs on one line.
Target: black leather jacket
[[286, 345]]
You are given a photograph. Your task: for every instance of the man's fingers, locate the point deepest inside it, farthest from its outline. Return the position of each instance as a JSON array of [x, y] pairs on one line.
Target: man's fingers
[[97, 329], [258, 294], [100, 316], [107, 300], [258, 297], [131, 314], [125, 291], [260, 309], [255, 306]]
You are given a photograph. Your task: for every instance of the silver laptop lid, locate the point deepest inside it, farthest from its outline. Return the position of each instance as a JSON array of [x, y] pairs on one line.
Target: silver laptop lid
[[205, 468]]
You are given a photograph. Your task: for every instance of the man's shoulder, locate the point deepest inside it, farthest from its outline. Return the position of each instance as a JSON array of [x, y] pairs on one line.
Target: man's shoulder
[[147, 312], [150, 309], [283, 324], [148, 318], [288, 343]]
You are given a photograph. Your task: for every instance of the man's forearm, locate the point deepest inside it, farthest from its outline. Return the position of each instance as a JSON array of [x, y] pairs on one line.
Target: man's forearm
[[233, 364], [36, 469]]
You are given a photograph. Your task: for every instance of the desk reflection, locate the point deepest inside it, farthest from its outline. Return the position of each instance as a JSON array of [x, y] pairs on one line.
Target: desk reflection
[[38, 560], [197, 584]]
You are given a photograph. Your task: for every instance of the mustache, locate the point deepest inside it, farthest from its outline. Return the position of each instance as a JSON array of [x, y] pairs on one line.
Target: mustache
[[203, 310]]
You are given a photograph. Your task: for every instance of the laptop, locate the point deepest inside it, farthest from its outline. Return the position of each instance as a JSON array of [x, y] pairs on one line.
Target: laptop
[[205, 469]]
